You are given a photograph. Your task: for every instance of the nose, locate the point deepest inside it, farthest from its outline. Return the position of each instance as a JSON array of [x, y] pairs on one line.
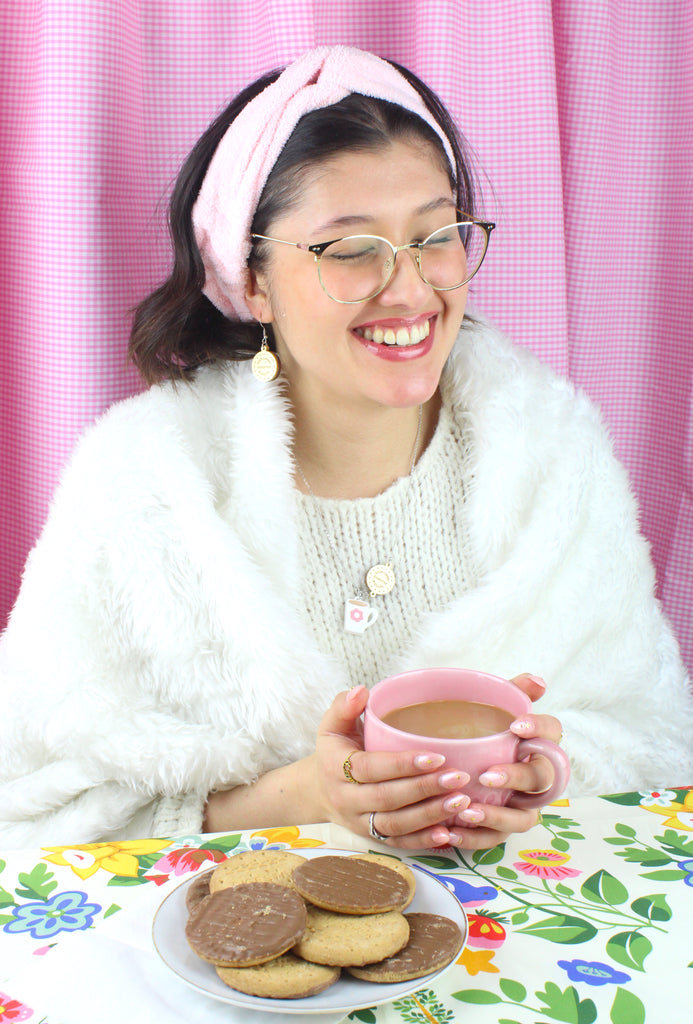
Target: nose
[[406, 286]]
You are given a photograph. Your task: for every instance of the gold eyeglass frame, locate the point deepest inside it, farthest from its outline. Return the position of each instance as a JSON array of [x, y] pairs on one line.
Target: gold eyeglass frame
[[319, 248]]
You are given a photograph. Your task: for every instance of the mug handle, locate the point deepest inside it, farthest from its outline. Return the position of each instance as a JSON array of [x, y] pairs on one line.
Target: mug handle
[[561, 767]]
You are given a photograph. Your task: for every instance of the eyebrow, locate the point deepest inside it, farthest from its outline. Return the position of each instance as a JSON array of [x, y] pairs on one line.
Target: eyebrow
[[354, 219]]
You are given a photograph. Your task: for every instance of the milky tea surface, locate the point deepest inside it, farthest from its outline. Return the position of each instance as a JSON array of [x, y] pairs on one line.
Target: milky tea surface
[[449, 719]]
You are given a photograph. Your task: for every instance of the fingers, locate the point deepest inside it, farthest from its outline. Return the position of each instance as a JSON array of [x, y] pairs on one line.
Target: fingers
[[481, 826], [535, 775], [342, 716], [414, 819], [533, 686], [545, 726], [379, 766]]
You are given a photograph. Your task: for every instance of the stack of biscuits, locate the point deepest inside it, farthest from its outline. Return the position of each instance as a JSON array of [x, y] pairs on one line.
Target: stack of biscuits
[[278, 925]]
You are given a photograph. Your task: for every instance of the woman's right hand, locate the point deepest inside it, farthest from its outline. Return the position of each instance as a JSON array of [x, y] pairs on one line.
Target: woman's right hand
[[411, 793]]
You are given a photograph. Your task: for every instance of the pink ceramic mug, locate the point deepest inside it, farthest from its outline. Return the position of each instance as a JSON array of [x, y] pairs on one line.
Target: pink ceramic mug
[[473, 755]]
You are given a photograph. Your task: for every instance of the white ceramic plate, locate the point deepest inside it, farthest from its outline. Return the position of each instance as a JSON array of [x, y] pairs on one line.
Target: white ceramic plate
[[347, 994]]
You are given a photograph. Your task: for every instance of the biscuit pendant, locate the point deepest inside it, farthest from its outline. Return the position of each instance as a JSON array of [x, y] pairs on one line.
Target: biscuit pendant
[[380, 579], [265, 365]]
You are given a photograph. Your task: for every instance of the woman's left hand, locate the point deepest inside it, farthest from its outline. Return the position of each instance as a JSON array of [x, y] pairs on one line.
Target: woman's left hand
[[485, 825]]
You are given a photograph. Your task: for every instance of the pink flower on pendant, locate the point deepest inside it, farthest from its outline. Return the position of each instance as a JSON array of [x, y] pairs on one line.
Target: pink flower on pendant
[[545, 864], [356, 614]]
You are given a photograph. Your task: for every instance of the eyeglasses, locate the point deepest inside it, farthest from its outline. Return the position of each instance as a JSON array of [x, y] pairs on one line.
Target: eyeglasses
[[359, 267]]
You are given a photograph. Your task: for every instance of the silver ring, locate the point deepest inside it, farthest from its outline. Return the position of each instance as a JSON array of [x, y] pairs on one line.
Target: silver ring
[[372, 830]]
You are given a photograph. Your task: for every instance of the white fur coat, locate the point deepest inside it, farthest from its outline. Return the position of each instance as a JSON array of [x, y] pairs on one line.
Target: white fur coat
[[157, 651]]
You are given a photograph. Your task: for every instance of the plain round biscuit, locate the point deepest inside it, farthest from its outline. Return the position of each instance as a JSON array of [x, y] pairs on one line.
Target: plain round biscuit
[[349, 885], [433, 942], [287, 977], [345, 940], [396, 865], [246, 924], [256, 866]]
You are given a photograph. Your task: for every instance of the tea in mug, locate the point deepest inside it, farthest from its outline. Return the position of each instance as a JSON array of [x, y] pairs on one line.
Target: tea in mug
[[449, 719]]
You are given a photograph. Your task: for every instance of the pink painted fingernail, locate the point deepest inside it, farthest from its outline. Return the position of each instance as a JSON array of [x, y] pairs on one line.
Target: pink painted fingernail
[[472, 815], [522, 726], [493, 778], [440, 836], [429, 760], [454, 803], [454, 780], [538, 681]]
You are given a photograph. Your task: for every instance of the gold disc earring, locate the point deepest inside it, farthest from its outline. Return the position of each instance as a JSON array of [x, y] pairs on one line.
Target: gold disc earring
[[265, 363]]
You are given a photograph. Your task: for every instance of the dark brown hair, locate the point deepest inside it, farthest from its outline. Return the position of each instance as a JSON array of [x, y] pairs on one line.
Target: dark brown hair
[[176, 328]]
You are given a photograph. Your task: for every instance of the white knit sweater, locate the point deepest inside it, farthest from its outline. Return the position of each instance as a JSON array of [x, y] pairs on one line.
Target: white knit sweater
[[419, 525], [168, 639]]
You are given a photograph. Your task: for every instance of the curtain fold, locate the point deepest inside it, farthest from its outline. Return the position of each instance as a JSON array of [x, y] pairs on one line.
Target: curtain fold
[[581, 116]]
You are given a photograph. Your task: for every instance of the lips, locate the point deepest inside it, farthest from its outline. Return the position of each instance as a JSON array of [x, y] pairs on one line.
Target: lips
[[396, 334]]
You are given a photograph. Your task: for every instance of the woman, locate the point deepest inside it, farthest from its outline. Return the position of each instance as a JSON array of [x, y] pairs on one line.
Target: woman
[[231, 561]]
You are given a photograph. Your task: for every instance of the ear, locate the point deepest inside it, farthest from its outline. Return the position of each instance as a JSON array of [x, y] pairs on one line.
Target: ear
[[257, 297]]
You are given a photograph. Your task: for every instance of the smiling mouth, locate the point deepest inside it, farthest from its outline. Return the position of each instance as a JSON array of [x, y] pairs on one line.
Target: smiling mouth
[[403, 337]]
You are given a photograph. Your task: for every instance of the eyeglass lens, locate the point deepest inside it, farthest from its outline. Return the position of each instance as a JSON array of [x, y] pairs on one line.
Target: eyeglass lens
[[356, 268]]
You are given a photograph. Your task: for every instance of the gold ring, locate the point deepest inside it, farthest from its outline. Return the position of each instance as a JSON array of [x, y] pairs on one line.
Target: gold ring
[[346, 768]]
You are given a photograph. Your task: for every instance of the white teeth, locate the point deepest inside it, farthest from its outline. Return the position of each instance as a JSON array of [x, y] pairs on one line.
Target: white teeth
[[403, 336]]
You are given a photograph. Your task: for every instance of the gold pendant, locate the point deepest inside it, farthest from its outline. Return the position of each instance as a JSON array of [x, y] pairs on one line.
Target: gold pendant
[[265, 365], [380, 579]]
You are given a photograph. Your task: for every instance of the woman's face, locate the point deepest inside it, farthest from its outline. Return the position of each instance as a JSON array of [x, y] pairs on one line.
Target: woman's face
[[334, 353]]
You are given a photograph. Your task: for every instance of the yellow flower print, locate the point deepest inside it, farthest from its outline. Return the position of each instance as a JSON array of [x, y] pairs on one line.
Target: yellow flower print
[[119, 858], [678, 816], [287, 835], [477, 961]]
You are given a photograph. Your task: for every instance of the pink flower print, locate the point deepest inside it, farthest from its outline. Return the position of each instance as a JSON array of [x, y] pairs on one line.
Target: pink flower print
[[188, 858], [11, 1009], [356, 614], [545, 864]]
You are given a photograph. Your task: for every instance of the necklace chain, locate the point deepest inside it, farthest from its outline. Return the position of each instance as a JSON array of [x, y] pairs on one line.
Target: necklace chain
[[380, 579]]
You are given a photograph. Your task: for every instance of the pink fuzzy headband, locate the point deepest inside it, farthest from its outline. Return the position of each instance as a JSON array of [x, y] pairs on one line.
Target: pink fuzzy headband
[[230, 192]]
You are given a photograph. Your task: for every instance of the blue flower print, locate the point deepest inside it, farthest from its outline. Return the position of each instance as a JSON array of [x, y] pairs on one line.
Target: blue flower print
[[687, 866], [64, 912], [261, 843], [593, 972]]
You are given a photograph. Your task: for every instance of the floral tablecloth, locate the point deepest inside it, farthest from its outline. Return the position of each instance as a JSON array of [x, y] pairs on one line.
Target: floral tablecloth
[[588, 917]]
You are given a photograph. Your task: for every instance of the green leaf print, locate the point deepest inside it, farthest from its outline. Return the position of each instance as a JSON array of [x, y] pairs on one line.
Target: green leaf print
[[366, 1016], [629, 949], [491, 856], [223, 843], [38, 884], [602, 887], [478, 996], [627, 1008], [625, 799], [6, 898], [438, 863], [567, 1006], [513, 990], [562, 928], [654, 908]]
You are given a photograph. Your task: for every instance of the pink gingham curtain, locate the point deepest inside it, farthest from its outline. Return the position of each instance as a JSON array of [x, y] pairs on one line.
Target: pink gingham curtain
[[581, 114]]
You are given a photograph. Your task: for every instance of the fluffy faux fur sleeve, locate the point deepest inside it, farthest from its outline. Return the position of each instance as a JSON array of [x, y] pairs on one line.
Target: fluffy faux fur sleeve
[[136, 664]]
